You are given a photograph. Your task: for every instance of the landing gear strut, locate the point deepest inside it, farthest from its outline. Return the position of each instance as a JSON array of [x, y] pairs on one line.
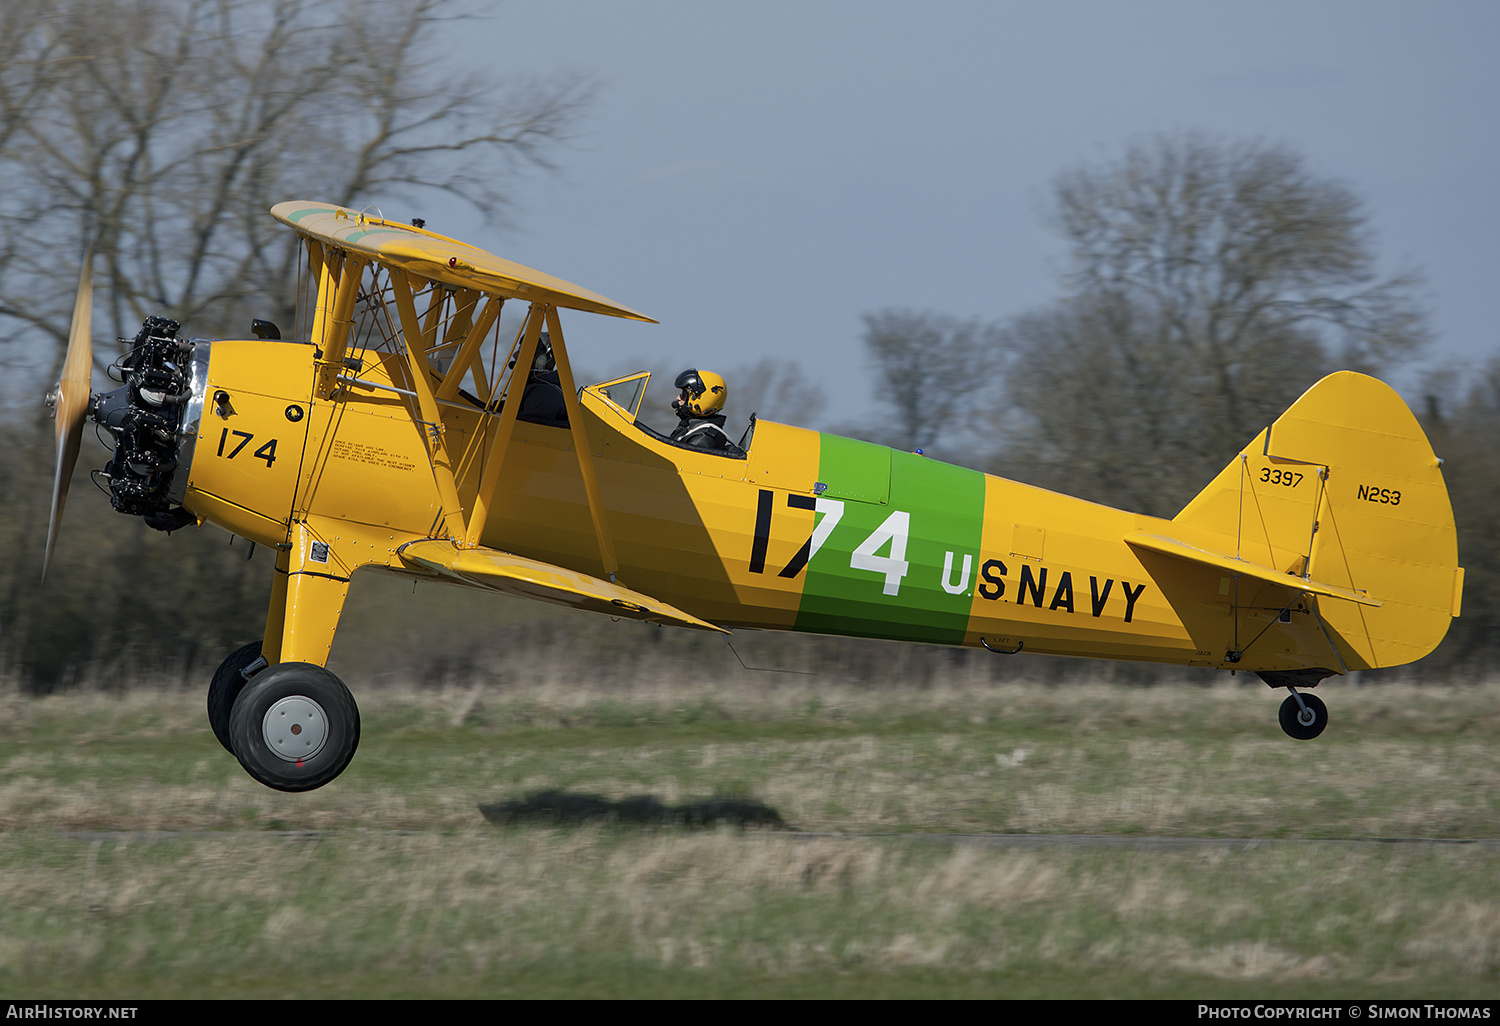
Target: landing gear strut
[[1303, 716]]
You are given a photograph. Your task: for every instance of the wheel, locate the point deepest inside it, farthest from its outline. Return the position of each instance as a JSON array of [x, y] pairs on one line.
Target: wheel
[[1304, 726], [294, 727], [226, 686]]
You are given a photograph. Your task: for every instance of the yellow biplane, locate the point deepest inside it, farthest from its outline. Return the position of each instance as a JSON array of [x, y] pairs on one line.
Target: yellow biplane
[[398, 430]]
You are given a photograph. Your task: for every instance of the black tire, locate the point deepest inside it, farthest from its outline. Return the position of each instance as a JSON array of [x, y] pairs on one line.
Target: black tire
[[266, 728], [226, 686], [1292, 720]]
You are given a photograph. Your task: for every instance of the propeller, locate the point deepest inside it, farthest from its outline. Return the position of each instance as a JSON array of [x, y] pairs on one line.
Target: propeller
[[70, 399]]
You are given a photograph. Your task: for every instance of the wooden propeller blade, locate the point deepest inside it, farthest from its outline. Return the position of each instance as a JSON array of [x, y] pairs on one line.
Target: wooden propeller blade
[[71, 399]]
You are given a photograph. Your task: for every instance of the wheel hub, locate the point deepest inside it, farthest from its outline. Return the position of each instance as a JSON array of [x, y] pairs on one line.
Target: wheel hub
[[295, 728]]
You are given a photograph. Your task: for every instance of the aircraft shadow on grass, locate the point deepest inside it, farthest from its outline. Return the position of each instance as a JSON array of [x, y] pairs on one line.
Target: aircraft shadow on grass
[[556, 808]]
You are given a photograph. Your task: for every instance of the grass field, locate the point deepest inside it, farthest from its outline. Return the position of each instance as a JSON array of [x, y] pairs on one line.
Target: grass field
[[762, 835]]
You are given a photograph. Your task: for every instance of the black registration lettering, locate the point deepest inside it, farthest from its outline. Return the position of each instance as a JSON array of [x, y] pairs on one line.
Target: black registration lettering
[[266, 452], [799, 559], [1100, 597], [762, 537], [1384, 496], [1285, 478], [993, 573], [1034, 586], [762, 532]]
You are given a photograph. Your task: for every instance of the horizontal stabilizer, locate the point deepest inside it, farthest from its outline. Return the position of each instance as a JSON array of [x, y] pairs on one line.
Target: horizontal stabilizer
[[504, 572], [1234, 565]]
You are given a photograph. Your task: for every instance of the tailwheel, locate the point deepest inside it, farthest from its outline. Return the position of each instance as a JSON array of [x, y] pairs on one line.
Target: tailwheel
[[229, 680], [294, 727], [1303, 716]]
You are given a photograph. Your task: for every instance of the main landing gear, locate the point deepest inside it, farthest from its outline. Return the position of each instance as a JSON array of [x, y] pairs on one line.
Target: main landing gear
[[293, 726]]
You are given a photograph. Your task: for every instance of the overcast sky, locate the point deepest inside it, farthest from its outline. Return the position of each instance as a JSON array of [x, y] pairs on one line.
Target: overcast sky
[[758, 175]]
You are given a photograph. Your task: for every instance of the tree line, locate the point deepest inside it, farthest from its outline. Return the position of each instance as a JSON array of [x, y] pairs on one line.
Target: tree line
[[1208, 283]]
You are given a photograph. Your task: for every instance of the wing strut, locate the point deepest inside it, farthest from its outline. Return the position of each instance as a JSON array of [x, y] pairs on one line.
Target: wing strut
[[581, 445], [491, 476], [470, 349], [339, 277], [540, 313], [432, 421], [337, 322]]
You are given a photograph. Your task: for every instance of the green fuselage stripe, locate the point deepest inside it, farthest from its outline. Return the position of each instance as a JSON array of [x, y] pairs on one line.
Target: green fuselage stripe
[[931, 519]]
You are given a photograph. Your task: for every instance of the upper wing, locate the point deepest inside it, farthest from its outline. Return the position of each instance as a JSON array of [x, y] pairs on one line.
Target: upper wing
[[439, 258]]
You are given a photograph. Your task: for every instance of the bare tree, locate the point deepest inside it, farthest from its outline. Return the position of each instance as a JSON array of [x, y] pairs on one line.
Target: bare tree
[[777, 390], [1209, 283], [164, 129], [929, 370]]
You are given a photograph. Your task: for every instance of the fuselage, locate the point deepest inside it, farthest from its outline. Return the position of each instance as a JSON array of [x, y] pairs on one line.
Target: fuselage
[[809, 532]]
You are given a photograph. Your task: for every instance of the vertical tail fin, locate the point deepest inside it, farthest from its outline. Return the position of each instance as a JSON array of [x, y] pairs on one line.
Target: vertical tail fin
[[1344, 489]]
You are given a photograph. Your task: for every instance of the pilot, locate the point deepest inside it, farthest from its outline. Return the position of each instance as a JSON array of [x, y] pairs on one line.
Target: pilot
[[542, 401], [699, 405]]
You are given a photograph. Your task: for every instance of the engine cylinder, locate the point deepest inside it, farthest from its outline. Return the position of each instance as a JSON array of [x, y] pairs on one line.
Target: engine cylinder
[[154, 419]]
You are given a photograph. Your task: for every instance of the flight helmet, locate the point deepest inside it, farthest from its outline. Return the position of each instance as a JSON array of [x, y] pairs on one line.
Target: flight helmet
[[700, 393]]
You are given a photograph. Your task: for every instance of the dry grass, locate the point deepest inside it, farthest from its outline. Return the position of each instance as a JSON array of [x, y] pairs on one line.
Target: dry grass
[[483, 912], [1397, 761], [457, 906]]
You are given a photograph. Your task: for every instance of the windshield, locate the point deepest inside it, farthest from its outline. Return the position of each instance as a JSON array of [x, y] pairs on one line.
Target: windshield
[[626, 393]]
